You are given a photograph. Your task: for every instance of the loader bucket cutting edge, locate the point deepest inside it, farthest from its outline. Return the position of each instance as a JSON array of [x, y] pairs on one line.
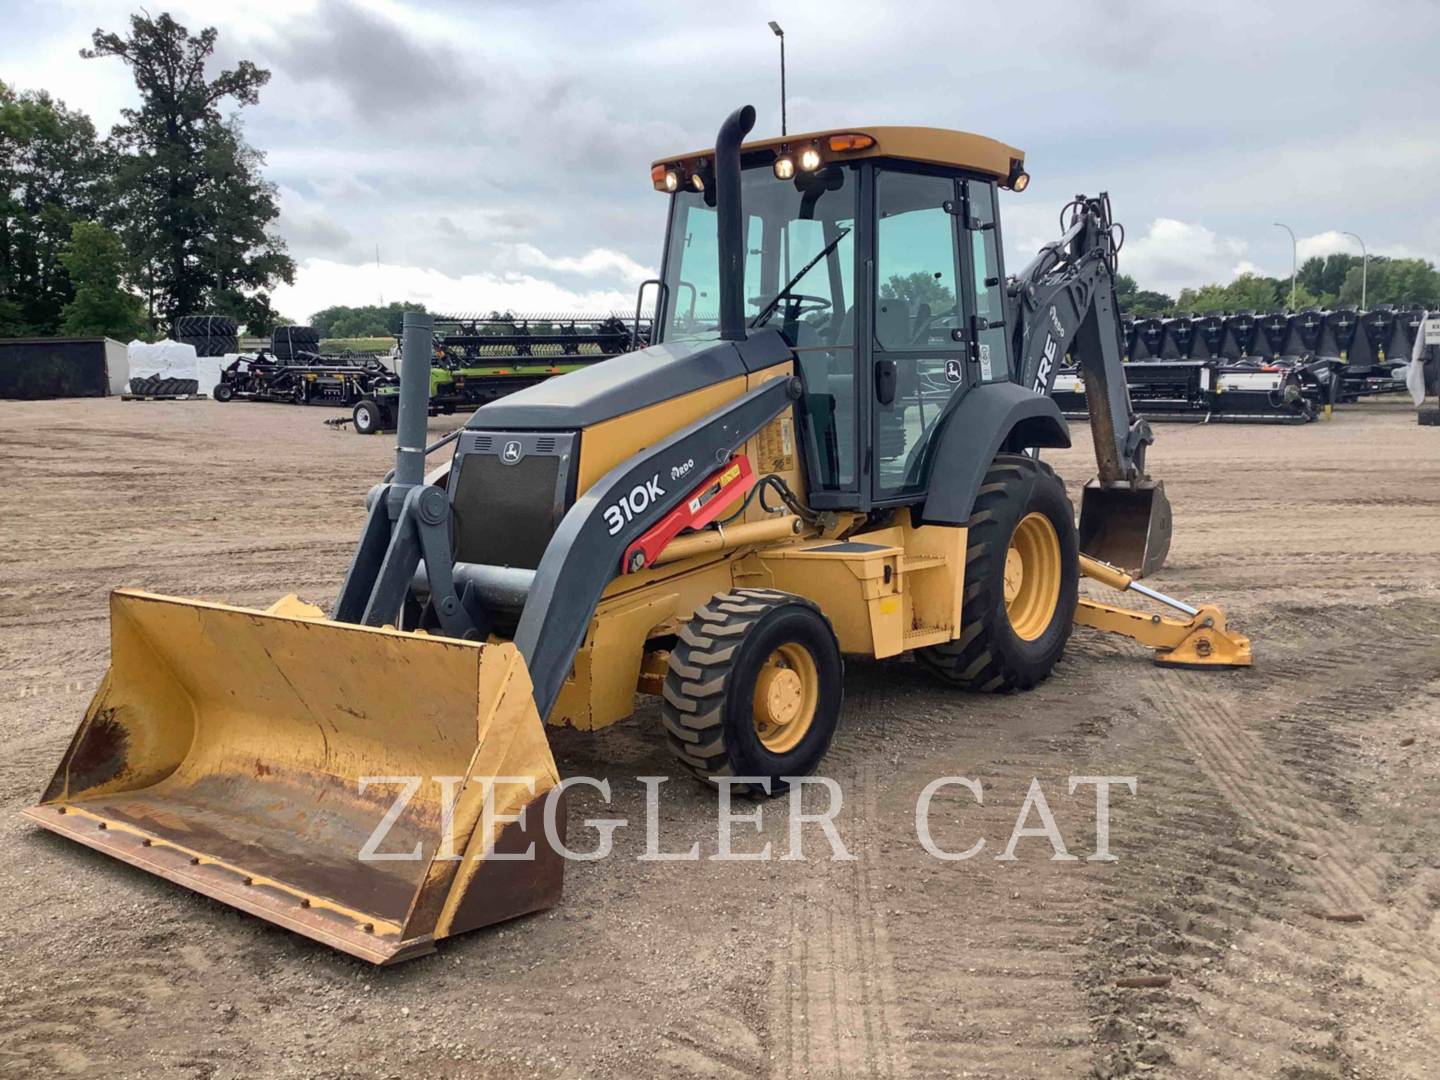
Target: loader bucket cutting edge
[[225, 751], [1126, 525]]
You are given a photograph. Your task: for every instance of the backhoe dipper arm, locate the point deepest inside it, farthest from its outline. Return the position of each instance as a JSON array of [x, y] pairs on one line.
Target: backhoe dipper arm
[[1064, 302]]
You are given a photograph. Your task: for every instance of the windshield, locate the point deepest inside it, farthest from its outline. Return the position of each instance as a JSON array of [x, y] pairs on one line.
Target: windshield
[[799, 256]]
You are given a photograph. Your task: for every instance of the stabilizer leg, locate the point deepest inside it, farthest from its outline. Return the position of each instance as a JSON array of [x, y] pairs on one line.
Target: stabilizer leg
[[1203, 640]]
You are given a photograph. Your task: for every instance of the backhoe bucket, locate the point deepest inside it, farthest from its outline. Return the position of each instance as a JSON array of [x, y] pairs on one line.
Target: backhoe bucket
[[1126, 524], [351, 784]]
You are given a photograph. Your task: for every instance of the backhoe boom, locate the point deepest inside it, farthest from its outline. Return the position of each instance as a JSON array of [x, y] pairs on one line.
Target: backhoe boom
[[1064, 302]]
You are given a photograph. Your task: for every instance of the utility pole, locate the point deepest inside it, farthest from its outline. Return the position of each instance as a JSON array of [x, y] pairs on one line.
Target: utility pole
[[1294, 261], [1364, 267], [775, 26]]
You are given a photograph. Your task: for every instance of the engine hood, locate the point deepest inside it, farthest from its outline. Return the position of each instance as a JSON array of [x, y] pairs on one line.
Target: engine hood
[[632, 381]]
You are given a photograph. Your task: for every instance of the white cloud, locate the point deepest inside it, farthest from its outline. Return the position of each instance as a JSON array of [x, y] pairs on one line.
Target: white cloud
[[598, 262], [453, 136], [1172, 254], [1331, 242], [322, 283]]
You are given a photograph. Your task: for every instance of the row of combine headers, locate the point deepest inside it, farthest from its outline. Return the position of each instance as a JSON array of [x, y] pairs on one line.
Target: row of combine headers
[[479, 358], [1280, 367], [476, 359]]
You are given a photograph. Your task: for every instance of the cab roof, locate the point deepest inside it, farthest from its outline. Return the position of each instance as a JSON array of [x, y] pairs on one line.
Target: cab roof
[[930, 146]]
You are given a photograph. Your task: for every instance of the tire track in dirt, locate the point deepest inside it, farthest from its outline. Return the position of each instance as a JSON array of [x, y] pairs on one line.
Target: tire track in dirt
[[990, 990], [1192, 878], [836, 1009], [1286, 809], [1262, 975], [51, 1030]]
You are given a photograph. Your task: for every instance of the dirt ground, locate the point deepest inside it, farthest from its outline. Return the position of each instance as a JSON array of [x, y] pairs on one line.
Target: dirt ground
[[1266, 800]]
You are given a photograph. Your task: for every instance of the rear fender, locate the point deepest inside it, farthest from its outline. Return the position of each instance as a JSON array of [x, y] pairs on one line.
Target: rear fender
[[992, 418]]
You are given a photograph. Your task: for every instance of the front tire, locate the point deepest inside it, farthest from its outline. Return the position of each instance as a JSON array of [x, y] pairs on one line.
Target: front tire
[[1022, 577], [753, 688]]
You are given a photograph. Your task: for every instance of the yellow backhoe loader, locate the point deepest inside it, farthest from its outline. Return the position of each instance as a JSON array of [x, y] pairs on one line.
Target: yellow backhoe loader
[[831, 447]]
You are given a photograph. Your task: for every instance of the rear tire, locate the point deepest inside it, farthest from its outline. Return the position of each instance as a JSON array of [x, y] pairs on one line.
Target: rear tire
[[754, 688], [1023, 522]]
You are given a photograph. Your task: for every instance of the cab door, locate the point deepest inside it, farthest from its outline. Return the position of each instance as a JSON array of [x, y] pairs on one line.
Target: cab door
[[920, 341], [985, 282]]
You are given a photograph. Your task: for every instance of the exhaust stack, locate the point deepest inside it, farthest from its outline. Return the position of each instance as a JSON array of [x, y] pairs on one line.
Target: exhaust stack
[[731, 221]]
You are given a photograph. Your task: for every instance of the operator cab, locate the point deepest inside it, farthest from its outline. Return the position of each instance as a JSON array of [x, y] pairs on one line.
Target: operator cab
[[877, 255]]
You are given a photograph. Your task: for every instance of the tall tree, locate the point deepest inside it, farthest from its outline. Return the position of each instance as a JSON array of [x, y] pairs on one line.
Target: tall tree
[[1324, 276], [51, 168], [191, 204], [94, 260]]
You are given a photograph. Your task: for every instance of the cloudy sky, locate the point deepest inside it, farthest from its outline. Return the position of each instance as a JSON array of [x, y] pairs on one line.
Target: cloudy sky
[[497, 154]]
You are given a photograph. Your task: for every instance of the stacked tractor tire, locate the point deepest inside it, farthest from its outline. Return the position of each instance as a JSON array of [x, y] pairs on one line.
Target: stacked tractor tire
[[1277, 367], [211, 335], [294, 343]]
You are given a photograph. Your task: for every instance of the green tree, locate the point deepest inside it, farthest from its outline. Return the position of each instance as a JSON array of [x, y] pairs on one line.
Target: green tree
[[102, 306], [51, 167], [1324, 276], [1205, 298], [240, 206], [1141, 303], [1248, 292], [191, 205], [919, 288], [370, 320], [1255, 292], [1394, 281]]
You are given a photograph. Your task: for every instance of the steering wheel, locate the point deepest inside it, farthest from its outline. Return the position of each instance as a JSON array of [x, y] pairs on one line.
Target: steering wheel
[[798, 305]]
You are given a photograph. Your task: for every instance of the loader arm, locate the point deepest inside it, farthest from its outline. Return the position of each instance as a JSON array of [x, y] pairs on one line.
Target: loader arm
[[1064, 302], [585, 554]]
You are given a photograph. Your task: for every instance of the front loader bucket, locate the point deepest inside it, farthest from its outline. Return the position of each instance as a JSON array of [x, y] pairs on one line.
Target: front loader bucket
[[257, 757], [1126, 524]]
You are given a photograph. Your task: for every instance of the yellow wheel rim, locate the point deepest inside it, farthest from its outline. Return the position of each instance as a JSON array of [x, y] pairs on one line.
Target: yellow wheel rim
[[1032, 576], [786, 692]]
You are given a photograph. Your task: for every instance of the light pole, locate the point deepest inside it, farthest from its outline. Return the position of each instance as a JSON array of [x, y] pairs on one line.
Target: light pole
[[775, 26], [1364, 267], [1294, 261]]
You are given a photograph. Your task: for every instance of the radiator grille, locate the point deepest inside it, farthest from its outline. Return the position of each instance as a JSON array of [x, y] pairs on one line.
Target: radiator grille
[[506, 510]]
